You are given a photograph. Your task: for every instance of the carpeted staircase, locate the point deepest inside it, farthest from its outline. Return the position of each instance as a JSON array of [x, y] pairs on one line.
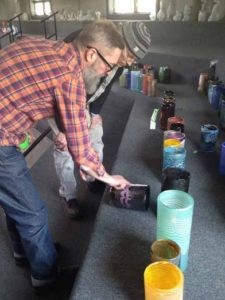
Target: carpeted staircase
[[119, 249]]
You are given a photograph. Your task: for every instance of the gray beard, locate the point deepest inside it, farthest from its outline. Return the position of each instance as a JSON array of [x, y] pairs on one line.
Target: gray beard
[[91, 80]]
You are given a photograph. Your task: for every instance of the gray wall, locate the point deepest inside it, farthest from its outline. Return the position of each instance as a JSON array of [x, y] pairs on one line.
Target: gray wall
[[10, 7], [84, 5], [188, 33]]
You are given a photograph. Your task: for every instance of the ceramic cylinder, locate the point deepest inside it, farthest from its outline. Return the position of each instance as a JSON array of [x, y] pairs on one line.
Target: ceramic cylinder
[[170, 135], [222, 160], [174, 157], [209, 134], [165, 250], [167, 111], [175, 179], [174, 220], [203, 77], [215, 96], [175, 123], [163, 281]]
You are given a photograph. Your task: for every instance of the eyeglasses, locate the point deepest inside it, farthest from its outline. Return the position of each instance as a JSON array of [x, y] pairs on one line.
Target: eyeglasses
[[111, 67]]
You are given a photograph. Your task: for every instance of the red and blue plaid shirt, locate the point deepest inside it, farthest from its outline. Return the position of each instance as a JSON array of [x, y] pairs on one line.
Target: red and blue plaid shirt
[[37, 78]]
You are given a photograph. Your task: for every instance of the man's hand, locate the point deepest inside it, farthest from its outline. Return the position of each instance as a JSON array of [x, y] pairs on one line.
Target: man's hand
[[60, 142], [96, 119], [118, 182]]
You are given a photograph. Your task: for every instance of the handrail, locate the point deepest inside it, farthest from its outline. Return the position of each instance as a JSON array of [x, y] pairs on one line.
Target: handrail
[[48, 17], [37, 141], [54, 34], [10, 21], [13, 18], [9, 33]]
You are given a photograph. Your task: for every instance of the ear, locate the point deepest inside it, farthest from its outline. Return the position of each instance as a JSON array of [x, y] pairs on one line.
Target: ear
[[91, 55]]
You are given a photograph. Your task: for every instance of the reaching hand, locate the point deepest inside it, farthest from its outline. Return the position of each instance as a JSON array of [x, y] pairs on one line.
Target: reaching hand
[[118, 182], [60, 142]]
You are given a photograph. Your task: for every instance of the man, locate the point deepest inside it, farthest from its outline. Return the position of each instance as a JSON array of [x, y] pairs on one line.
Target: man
[[40, 79], [137, 39]]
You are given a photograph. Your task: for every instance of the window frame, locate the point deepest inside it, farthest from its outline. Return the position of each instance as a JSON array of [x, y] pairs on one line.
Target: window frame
[[120, 16], [32, 9]]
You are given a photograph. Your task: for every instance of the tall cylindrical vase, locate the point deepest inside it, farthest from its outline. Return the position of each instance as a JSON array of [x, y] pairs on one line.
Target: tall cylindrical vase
[[210, 90], [175, 123], [174, 220], [174, 157], [171, 135], [222, 160], [203, 77], [175, 179], [222, 111], [163, 281], [215, 97], [209, 133], [167, 111]]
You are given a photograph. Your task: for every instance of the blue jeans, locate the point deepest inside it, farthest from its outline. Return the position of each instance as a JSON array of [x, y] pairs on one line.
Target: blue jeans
[[25, 208]]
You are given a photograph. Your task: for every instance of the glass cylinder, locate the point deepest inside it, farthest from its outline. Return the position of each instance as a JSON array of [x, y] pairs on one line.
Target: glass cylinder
[[222, 111], [167, 75], [149, 84], [174, 157], [174, 220], [170, 135], [140, 82], [167, 111], [161, 75], [210, 89], [172, 143], [154, 87], [222, 160], [215, 95], [173, 134], [169, 93], [134, 80], [209, 133], [203, 77], [163, 281], [164, 74], [175, 123], [175, 179], [122, 79], [165, 250], [127, 79], [145, 84]]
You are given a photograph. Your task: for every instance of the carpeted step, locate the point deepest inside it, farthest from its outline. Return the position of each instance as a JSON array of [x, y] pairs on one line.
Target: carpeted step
[[119, 249]]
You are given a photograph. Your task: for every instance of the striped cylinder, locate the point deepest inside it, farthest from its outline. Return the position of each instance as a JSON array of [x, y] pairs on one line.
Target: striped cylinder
[[174, 220]]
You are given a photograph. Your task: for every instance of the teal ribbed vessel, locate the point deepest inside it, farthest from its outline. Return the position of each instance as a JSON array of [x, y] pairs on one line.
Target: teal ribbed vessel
[[174, 220]]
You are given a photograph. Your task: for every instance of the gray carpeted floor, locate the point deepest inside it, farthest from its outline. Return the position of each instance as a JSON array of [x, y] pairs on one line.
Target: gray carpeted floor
[[119, 248]]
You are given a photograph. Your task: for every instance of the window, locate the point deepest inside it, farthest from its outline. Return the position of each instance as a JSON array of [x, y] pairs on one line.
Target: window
[[119, 8], [40, 8]]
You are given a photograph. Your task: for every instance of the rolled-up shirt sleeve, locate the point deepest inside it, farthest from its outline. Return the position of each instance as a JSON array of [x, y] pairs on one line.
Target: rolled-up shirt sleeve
[[71, 104]]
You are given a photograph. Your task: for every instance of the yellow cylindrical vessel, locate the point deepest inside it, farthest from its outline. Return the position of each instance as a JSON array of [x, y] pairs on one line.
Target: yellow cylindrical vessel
[[172, 143], [163, 281]]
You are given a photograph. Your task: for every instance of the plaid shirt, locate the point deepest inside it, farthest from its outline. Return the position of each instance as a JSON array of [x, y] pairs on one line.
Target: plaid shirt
[[37, 78]]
